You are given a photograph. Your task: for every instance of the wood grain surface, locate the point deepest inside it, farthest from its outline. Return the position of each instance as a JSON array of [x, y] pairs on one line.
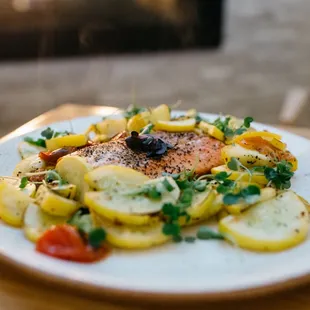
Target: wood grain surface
[[18, 291]]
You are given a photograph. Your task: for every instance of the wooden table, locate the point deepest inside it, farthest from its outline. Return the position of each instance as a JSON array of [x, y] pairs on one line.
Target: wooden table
[[18, 291]]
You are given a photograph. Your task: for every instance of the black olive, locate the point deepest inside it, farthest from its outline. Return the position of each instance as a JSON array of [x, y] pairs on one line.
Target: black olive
[[152, 146]]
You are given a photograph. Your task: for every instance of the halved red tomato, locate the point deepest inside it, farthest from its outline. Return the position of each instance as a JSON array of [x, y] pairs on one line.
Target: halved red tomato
[[65, 242]]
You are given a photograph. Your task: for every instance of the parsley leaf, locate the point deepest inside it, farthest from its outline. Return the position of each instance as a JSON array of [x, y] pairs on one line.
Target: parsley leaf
[[23, 182], [39, 142], [205, 233], [280, 176], [233, 164], [133, 110], [48, 133], [96, 237], [248, 194], [171, 229], [167, 185]]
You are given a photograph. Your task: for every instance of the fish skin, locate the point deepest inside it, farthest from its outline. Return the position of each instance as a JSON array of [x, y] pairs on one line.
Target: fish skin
[[189, 150]]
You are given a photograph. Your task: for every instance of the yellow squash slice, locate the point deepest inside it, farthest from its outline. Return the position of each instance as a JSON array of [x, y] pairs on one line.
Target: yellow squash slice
[[29, 164], [273, 225], [110, 176], [253, 134], [26, 149], [265, 194], [160, 113], [257, 177], [138, 121], [65, 190], [13, 204], [110, 127], [70, 140], [132, 237], [212, 130], [55, 204], [73, 169], [36, 222], [176, 126], [29, 189], [131, 208]]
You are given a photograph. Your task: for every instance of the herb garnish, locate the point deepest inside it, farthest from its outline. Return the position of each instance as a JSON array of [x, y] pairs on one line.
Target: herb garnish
[[83, 222], [133, 110], [223, 125], [205, 233], [248, 194], [47, 134], [280, 176], [23, 182]]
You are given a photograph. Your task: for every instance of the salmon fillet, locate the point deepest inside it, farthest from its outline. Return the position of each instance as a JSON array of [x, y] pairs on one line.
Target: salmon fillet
[[188, 149]]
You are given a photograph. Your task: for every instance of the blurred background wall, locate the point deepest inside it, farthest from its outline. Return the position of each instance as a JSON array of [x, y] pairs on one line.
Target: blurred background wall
[[265, 52]]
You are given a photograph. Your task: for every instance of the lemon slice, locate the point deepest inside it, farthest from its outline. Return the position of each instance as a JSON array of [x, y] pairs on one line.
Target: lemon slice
[[273, 225], [55, 204], [73, 169], [13, 204], [29, 164], [160, 113], [212, 130], [265, 194], [257, 177], [26, 149], [70, 140], [253, 134], [138, 121], [109, 176], [36, 222], [29, 189], [134, 209], [130, 237], [176, 126]]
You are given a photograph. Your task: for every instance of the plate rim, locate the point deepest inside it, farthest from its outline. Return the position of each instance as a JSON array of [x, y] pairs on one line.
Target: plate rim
[[148, 296]]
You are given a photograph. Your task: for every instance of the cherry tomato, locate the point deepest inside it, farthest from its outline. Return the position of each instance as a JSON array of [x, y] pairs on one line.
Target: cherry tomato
[[65, 242]]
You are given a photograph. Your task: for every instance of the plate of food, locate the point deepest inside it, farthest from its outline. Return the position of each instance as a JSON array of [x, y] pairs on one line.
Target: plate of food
[[158, 204]]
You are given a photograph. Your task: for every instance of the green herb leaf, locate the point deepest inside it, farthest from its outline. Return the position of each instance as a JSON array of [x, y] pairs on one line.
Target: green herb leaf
[[200, 186], [96, 237], [171, 229], [133, 110], [83, 222], [147, 129], [23, 182], [167, 185], [48, 133], [205, 233], [190, 239], [221, 176], [280, 176], [247, 122], [231, 199], [233, 164], [39, 142]]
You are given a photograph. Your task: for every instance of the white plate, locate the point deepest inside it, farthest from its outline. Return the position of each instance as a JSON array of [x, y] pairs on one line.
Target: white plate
[[203, 270]]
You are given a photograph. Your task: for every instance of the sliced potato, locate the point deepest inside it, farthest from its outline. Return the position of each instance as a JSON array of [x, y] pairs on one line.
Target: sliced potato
[[13, 204], [176, 126], [212, 130], [36, 222], [106, 177], [131, 237], [132, 209], [66, 190], [69, 140], [160, 113], [30, 188], [73, 169], [55, 204], [257, 177], [111, 127], [29, 164], [265, 194], [273, 225], [26, 149], [139, 121]]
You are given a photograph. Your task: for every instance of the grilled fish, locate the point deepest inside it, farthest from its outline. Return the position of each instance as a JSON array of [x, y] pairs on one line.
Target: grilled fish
[[189, 150]]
